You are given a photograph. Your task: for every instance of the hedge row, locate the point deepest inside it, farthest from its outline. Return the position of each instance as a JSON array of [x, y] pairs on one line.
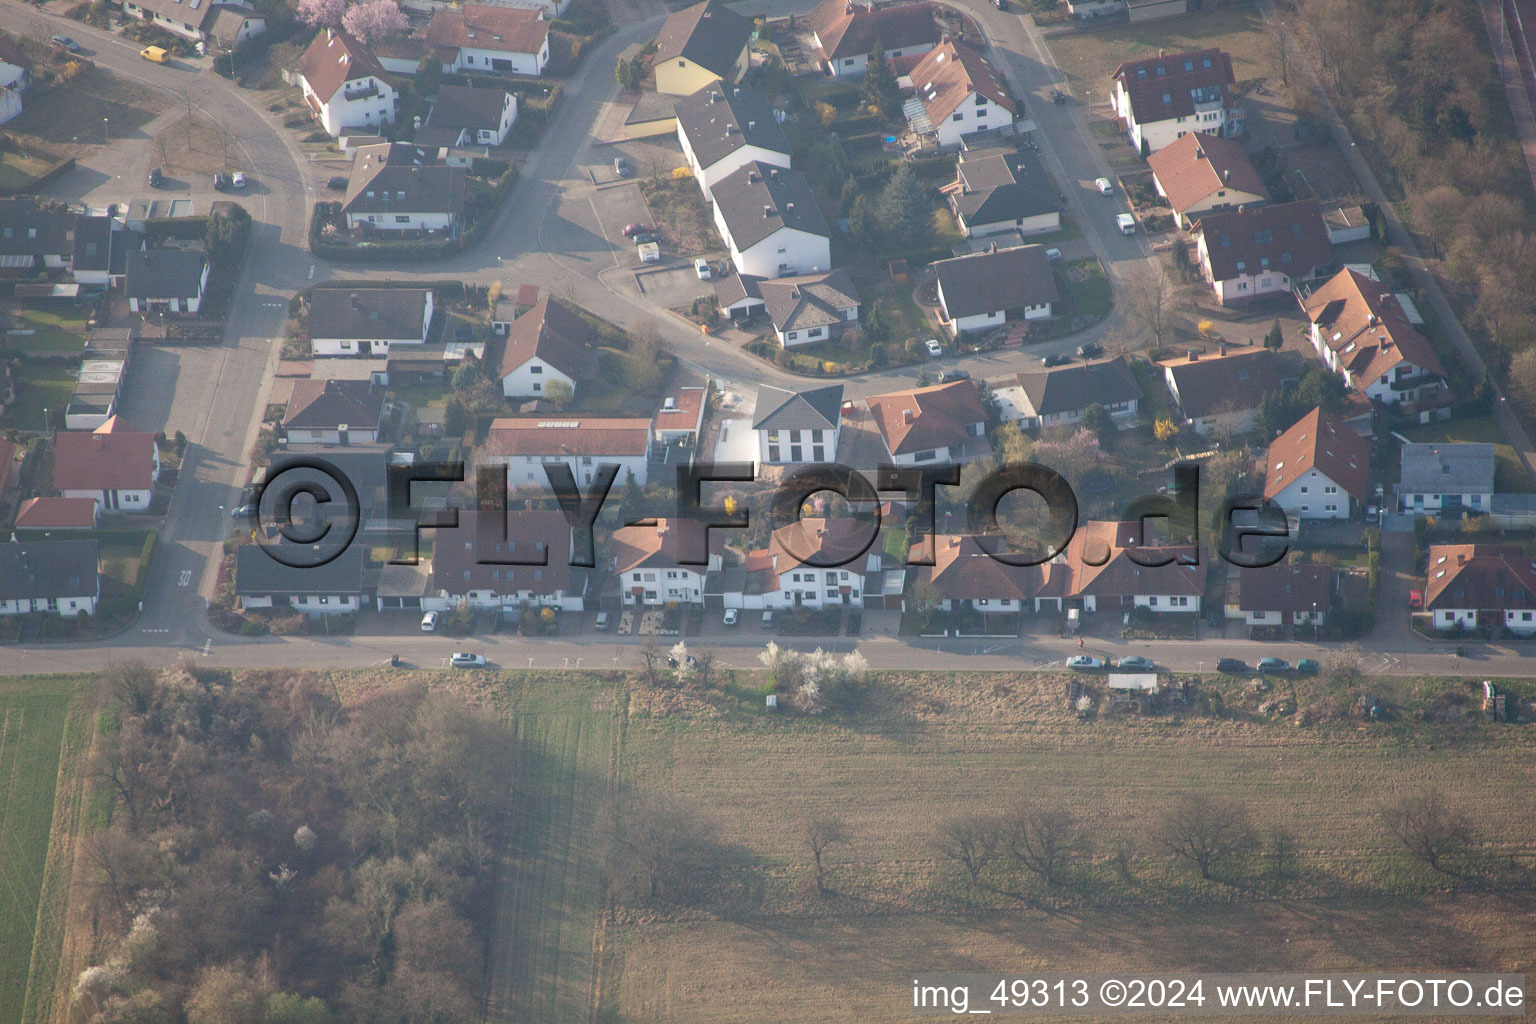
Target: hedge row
[[393, 252]]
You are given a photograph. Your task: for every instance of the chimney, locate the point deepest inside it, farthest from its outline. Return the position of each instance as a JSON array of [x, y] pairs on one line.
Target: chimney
[[751, 126], [736, 91], [1226, 175], [730, 129], [100, 440], [906, 416], [1194, 356], [789, 207], [751, 177], [773, 172], [356, 303], [1461, 558], [767, 212]]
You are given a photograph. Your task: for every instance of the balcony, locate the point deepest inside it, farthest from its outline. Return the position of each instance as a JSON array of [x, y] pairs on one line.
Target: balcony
[[366, 92]]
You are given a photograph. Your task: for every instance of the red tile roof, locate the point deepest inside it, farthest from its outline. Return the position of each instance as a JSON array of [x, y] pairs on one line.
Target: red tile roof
[[688, 408], [553, 333], [1286, 588], [1099, 564], [1365, 326], [569, 435], [1287, 238], [820, 540], [488, 27], [103, 460], [964, 570], [1161, 87], [334, 58], [662, 543], [1198, 165], [478, 540], [850, 29], [926, 418], [951, 73], [1320, 441], [1479, 576], [56, 514]]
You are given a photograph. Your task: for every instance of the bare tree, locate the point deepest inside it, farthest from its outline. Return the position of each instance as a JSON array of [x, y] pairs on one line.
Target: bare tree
[[654, 841], [704, 669], [125, 761], [1151, 294], [821, 832], [650, 662], [1281, 852], [1043, 838], [1428, 826], [132, 684], [1206, 831], [970, 840]]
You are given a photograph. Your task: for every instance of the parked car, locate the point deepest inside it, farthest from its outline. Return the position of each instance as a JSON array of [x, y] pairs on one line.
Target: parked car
[[155, 54], [1232, 666], [66, 42], [156, 178], [1058, 97], [1053, 255], [1001, 5], [621, 167], [1084, 661], [631, 230], [602, 621], [1092, 350], [243, 512], [730, 617], [220, 182], [336, 184], [934, 348], [1274, 665], [1137, 662], [1126, 223], [1056, 359], [646, 236], [237, 180], [429, 622], [768, 620], [1308, 666], [1105, 186], [950, 376], [701, 267], [463, 659]]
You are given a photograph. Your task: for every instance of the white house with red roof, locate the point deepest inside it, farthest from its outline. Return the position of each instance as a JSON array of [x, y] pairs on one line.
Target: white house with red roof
[[1161, 99], [115, 464], [1361, 332], [525, 444], [959, 93], [344, 84], [1317, 467], [525, 562], [647, 559], [490, 37], [811, 563]]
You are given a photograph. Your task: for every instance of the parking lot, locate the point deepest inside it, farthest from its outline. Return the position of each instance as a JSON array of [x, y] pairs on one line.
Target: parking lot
[[672, 286], [615, 206]]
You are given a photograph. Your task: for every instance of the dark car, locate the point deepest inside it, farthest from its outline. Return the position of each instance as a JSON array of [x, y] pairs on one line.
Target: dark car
[[645, 236], [1092, 350], [68, 43], [1058, 359], [336, 184], [1274, 665], [1232, 666], [156, 179], [220, 181], [1058, 97], [950, 376]]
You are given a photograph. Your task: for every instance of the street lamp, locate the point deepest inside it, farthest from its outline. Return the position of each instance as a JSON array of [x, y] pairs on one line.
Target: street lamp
[[1314, 622], [106, 128], [45, 419]]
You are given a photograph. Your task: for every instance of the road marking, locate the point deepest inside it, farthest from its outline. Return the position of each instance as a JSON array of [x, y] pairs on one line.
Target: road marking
[[148, 630], [185, 578], [207, 647]]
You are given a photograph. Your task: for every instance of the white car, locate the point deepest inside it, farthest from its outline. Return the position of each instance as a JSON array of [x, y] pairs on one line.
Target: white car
[[463, 659], [730, 617], [1126, 223], [701, 267], [1084, 661], [429, 622], [1104, 186], [237, 180], [934, 348], [649, 252]]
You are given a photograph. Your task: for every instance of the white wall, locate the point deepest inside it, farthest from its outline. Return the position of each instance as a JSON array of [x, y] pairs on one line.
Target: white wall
[[858, 64], [532, 379], [733, 161], [972, 118], [664, 585], [525, 470], [1037, 225], [325, 604], [411, 221], [1311, 496], [789, 440], [354, 436], [10, 104], [785, 253], [68, 607], [1414, 503], [1158, 134], [338, 112], [114, 501], [472, 58]]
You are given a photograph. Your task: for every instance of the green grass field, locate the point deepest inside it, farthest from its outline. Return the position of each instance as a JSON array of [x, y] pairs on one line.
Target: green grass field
[[33, 717], [39, 386]]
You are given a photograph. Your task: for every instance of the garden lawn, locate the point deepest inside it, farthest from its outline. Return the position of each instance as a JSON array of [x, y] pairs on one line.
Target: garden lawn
[[39, 386]]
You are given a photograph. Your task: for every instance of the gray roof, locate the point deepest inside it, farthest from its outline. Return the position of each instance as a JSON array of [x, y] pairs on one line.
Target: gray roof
[[388, 314], [731, 288], [709, 34], [810, 300], [326, 404], [1004, 186], [1447, 467], [1073, 388], [816, 409], [164, 274], [258, 574], [720, 119], [48, 568], [395, 177], [26, 230], [93, 243], [758, 199], [463, 106], [985, 282]]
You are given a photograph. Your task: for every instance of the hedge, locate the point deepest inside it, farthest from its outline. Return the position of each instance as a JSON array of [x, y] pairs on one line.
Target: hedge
[[186, 229], [392, 252]]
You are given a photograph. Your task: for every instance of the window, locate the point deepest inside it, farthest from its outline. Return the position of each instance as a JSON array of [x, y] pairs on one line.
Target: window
[[792, 336], [535, 368], [831, 593], [927, 456], [402, 218], [958, 115], [847, 62], [537, 386], [816, 437], [773, 437], [773, 453]]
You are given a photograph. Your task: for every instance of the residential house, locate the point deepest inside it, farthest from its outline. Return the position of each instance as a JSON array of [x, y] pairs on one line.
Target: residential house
[[1317, 467], [165, 280], [331, 588], [33, 238], [11, 103], [647, 561], [1445, 478], [58, 514], [522, 562], [1362, 333], [583, 443], [1285, 594], [15, 65], [92, 259], [986, 289], [1085, 9], [1060, 397], [796, 427], [1200, 173], [490, 37], [959, 93], [367, 321], [53, 576], [939, 423], [225, 25], [366, 467], [997, 190], [771, 222], [806, 309], [466, 116], [548, 343], [334, 412], [964, 572], [698, 45], [345, 85], [723, 128], [1159, 99], [1103, 569], [1222, 390], [845, 33], [680, 420], [115, 465], [1249, 253], [1153, 10], [400, 187], [811, 563], [1481, 585]]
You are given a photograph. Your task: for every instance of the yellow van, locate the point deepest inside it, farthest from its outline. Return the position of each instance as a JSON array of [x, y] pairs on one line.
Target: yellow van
[[157, 54]]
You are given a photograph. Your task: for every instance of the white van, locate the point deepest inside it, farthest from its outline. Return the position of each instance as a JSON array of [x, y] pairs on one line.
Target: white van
[[1126, 223]]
